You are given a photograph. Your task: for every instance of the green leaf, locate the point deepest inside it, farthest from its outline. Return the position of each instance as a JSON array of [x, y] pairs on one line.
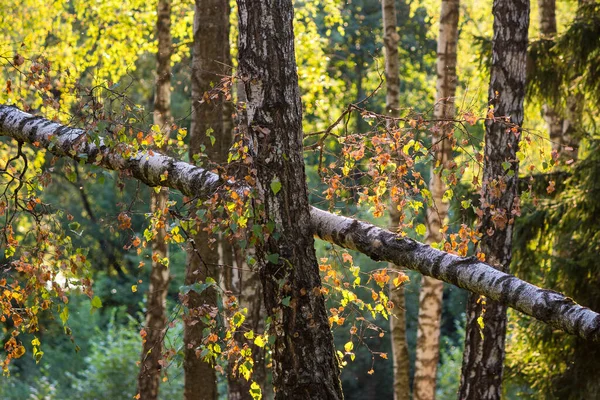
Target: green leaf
[[286, 301], [273, 258], [275, 185], [64, 315], [96, 304], [74, 226], [198, 287]]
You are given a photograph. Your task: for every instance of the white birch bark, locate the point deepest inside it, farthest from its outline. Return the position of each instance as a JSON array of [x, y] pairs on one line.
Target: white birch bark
[[391, 40], [430, 296], [379, 244]]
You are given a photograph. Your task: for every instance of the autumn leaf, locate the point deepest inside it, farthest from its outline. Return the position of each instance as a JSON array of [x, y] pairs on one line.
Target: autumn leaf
[[349, 346], [400, 279]]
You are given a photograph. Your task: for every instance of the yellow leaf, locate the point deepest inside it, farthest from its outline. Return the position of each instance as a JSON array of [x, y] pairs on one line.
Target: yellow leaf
[[259, 341], [19, 351], [400, 279]]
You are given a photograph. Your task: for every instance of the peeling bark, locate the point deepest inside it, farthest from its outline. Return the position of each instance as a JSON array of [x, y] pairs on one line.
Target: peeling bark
[[379, 244], [483, 356], [305, 365], [210, 62], [430, 296], [156, 317], [391, 40]]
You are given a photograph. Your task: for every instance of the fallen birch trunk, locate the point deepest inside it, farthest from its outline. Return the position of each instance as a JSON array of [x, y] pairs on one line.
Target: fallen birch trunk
[[379, 244]]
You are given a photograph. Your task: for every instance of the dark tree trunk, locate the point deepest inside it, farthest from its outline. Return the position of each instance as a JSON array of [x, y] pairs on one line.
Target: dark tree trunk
[[484, 348], [156, 318], [210, 63], [304, 358]]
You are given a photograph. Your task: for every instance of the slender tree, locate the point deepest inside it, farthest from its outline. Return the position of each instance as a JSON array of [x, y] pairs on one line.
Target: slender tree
[[156, 318], [486, 319], [562, 125], [430, 297], [210, 118], [391, 40], [547, 20], [304, 361]]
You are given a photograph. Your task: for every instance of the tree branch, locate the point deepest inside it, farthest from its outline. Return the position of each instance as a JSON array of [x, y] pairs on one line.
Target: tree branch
[[547, 306]]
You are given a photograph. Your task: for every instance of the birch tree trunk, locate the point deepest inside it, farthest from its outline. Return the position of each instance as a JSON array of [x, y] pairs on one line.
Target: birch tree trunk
[[305, 365], [210, 61], [391, 40], [547, 20], [484, 347], [156, 318], [430, 297], [563, 125], [559, 128]]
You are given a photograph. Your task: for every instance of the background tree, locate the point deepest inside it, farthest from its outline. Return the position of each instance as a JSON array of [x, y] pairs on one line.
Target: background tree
[[156, 315], [430, 297], [392, 106], [210, 136]]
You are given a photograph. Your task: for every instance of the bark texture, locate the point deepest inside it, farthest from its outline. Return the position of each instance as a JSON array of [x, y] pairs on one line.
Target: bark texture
[[430, 296], [305, 365], [210, 62], [483, 356], [156, 316], [379, 244], [391, 40]]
